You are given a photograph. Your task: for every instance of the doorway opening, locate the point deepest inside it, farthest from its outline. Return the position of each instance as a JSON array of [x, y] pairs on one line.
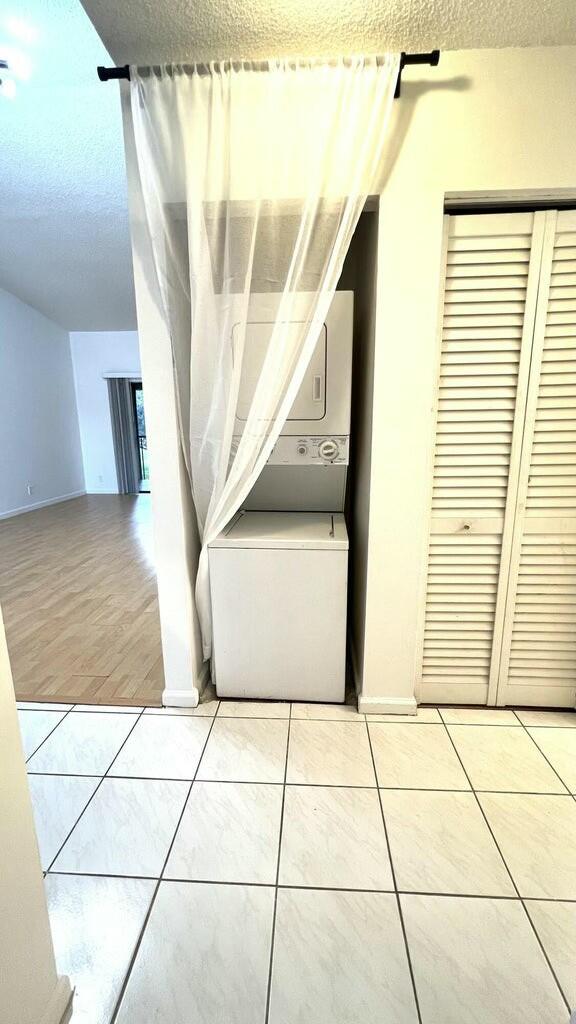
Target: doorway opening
[[129, 435], [140, 421]]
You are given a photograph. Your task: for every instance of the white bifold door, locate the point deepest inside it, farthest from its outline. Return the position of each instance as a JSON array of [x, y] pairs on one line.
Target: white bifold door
[[500, 614]]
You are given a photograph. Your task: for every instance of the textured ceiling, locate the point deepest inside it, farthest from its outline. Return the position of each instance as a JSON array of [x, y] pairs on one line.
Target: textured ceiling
[[65, 245], [63, 209], [148, 31]]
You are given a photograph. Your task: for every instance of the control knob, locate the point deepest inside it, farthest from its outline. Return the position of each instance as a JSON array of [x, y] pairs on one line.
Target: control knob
[[328, 450]]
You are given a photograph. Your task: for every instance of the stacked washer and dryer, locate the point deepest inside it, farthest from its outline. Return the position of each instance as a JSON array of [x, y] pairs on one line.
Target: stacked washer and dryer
[[279, 569]]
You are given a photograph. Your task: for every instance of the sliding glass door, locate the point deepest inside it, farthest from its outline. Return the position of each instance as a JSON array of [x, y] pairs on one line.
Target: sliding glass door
[[138, 407]]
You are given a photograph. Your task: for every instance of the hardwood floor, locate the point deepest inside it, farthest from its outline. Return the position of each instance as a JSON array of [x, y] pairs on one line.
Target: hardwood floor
[[78, 595]]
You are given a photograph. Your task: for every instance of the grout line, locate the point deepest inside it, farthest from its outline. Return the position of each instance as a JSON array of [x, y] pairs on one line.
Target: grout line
[[540, 751], [396, 892], [83, 811], [273, 929], [158, 882], [316, 888], [64, 715], [300, 785], [516, 889]]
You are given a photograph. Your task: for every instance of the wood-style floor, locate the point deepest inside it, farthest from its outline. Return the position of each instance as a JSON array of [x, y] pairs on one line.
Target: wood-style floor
[[80, 605]]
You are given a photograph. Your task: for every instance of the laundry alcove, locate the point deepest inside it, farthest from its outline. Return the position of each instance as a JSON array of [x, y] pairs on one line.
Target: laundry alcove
[[267, 229]]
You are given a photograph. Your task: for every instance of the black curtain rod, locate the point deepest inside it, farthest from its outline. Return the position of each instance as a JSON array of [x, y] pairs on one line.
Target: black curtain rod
[[432, 58]]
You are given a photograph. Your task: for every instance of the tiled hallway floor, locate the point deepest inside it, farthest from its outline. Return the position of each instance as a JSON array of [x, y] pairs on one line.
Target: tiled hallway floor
[[253, 863]]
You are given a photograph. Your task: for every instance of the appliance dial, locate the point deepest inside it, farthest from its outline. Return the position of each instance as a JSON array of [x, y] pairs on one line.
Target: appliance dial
[[302, 448], [328, 450]]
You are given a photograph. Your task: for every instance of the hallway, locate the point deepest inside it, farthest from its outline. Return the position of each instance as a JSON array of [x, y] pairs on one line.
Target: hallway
[[78, 595], [268, 863]]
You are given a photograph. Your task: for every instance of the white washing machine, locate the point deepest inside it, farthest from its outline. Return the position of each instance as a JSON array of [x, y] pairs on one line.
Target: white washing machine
[[278, 582]]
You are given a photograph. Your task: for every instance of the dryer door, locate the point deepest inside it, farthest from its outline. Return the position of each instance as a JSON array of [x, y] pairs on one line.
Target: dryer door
[[310, 403]]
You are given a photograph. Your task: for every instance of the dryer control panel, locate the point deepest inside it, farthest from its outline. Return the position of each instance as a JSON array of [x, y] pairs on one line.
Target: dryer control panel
[[317, 450]]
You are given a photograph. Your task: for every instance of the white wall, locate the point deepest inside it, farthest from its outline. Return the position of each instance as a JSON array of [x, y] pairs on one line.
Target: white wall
[[93, 354], [176, 542], [39, 437], [482, 121], [30, 990]]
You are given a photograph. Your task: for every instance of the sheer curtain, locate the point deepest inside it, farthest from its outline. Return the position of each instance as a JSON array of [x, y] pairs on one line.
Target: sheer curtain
[[253, 177]]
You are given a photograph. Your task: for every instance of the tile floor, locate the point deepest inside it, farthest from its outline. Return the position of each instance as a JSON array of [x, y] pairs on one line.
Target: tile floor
[[276, 864]]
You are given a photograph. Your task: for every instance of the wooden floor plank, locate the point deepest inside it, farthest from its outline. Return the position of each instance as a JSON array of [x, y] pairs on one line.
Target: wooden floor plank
[[80, 605]]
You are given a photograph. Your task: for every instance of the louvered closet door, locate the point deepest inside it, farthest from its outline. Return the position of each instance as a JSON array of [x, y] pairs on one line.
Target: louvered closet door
[[492, 272], [538, 662]]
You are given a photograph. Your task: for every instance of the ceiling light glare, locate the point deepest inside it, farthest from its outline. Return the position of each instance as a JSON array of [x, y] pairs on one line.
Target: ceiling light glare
[[22, 30]]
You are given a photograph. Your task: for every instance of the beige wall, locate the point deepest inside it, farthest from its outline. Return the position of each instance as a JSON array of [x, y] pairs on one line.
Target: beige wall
[[30, 990], [482, 121]]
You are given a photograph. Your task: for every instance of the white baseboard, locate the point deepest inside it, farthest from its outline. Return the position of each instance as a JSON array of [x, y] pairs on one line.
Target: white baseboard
[[180, 698], [387, 705], [378, 705], [59, 1009], [187, 698], [40, 504]]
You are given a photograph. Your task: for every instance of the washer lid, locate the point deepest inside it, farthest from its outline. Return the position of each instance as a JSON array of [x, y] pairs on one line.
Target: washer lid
[[312, 530]]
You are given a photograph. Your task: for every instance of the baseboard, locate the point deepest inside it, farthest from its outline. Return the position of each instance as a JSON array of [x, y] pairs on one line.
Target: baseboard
[[387, 705], [59, 1009], [377, 705], [180, 698], [187, 698], [40, 504]]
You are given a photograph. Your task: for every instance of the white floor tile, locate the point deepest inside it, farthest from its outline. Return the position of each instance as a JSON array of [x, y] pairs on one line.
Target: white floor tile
[[327, 712], [245, 750], [537, 837], [478, 716], [57, 801], [423, 716], [116, 709], [562, 719], [126, 830], [409, 758], [83, 744], [31, 705], [253, 709], [478, 960], [163, 748], [229, 833], [556, 927], [339, 958], [95, 927], [440, 843], [330, 754], [35, 726], [559, 746], [333, 837], [503, 759], [204, 957]]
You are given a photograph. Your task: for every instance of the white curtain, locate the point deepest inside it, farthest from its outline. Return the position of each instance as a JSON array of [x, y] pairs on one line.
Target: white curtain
[[253, 177]]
